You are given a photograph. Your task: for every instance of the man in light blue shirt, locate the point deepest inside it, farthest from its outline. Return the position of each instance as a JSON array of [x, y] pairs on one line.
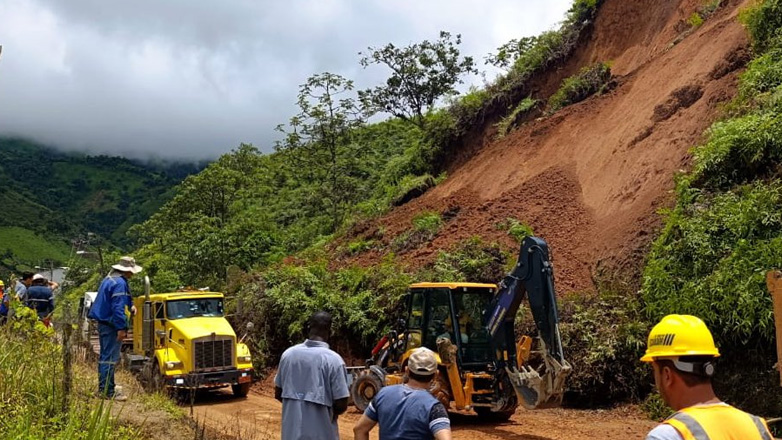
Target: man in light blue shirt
[[22, 284], [312, 385]]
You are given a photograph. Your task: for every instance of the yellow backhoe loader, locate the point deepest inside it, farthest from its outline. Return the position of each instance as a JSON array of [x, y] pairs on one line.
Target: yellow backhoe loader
[[471, 328]]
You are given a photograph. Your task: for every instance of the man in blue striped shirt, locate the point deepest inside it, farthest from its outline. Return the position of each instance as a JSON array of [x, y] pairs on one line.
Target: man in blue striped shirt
[[408, 411]]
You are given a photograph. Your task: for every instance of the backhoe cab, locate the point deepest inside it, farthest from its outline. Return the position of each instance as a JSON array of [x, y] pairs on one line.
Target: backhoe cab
[[470, 328]]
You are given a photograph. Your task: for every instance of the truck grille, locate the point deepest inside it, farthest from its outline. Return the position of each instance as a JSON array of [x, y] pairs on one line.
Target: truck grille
[[213, 354]]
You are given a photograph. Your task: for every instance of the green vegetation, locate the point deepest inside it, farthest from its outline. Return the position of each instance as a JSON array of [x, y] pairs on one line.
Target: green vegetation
[[425, 228], [587, 82], [22, 248], [421, 74], [725, 231], [695, 20], [509, 121], [281, 298], [51, 197], [516, 229], [471, 260], [32, 393], [605, 336]]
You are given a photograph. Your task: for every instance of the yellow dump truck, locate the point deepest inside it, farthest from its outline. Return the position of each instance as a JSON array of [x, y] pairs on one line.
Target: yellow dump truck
[[182, 340]]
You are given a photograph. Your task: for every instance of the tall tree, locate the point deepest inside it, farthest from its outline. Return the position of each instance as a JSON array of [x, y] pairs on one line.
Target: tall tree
[[421, 74], [319, 143]]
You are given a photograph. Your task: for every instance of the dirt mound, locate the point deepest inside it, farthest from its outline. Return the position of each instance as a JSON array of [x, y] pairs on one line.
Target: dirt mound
[[591, 178]]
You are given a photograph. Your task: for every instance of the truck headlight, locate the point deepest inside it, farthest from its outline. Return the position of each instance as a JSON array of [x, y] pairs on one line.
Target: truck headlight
[[173, 365], [245, 359]]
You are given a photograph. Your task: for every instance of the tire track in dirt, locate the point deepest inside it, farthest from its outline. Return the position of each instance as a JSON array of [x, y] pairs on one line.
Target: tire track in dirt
[[258, 418]]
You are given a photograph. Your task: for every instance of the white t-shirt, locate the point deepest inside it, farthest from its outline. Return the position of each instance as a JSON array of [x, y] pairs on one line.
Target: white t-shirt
[[664, 432]]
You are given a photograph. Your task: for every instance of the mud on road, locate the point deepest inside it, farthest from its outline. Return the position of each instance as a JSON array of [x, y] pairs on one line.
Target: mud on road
[[258, 418]]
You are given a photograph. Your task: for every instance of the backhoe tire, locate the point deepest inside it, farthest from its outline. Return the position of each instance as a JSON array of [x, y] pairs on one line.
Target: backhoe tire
[[364, 389], [241, 389], [489, 416]]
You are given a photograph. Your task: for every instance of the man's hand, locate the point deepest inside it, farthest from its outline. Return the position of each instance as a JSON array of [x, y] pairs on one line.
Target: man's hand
[[133, 310], [122, 334]]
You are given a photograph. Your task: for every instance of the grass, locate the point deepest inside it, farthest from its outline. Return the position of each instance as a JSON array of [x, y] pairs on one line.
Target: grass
[[27, 247], [508, 122], [587, 82]]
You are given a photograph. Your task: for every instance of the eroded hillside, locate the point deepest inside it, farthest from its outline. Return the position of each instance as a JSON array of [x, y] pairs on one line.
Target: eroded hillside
[[591, 177]]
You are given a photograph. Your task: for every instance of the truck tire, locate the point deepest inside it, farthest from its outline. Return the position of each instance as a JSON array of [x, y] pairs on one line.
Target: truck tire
[[241, 390], [487, 415], [364, 389]]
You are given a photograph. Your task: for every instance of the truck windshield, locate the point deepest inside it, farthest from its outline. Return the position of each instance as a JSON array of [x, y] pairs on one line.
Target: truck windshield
[[188, 308]]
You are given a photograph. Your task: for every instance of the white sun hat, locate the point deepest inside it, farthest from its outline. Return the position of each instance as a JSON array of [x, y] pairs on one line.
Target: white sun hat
[[127, 264]]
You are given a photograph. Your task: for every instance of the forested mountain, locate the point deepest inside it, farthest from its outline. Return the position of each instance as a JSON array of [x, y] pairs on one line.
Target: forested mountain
[[49, 198]]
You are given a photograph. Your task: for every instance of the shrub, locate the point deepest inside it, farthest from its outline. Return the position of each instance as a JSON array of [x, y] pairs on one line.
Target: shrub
[[711, 259], [506, 124], [763, 75], [604, 338], [428, 222], [471, 261], [362, 301], [655, 407], [739, 150], [585, 83], [764, 23], [695, 21], [361, 245], [516, 229]]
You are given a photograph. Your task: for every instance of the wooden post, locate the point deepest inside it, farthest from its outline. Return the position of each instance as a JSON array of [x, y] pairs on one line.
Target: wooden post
[[774, 283], [67, 377]]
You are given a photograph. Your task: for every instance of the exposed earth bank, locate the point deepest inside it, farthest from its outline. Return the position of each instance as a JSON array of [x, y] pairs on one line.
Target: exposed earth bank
[[591, 178]]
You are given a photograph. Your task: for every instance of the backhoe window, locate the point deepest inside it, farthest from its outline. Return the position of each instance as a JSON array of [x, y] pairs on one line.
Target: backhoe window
[[188, 308], [470, 306], [439, 316], [416, 311]]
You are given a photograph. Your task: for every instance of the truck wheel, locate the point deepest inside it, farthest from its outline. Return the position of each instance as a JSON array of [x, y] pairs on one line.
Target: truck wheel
[[153, 378], [364, 389], [487, 415], [241, 389]]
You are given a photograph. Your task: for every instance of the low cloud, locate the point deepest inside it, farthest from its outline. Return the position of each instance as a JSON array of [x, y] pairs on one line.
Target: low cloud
[[185, 79]]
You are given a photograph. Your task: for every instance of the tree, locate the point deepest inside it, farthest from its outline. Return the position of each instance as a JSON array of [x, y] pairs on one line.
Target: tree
[[421, 74], [508, 53], [319, 146]]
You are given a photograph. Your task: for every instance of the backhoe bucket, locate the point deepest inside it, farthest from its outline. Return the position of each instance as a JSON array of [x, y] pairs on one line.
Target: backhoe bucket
[[536, 390]]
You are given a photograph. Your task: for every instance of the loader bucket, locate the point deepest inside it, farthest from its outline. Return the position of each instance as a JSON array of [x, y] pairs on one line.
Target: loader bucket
[[538, 390]]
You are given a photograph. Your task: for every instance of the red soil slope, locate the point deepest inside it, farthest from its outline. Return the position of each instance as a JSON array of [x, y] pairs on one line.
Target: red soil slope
[[591, 178]]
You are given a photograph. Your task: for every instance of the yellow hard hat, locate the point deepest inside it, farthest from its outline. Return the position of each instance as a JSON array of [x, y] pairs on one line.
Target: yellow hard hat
[[679, 335], [1, 283]]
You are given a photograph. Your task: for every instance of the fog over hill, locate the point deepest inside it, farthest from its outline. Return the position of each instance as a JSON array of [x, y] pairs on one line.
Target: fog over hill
[[189, 80]]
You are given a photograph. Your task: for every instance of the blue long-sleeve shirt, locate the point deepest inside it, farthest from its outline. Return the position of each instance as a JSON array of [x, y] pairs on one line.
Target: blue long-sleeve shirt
[[41, 299], [109, 306]]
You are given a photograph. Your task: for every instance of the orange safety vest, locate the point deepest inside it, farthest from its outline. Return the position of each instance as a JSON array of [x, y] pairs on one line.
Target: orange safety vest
[[718, 422]]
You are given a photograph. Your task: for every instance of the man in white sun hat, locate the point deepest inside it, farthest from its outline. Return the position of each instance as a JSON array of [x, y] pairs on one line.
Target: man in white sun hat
[[409, 410], [109, 310]]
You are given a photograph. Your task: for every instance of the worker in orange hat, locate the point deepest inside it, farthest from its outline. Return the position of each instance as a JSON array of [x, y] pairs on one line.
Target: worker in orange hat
[[682, 353]]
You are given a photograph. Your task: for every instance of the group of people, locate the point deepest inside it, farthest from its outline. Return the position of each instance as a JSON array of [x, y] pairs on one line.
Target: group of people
[[311, 383], [32, 290]]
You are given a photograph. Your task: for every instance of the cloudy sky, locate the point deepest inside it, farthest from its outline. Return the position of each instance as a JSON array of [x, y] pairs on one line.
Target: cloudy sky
[[191, 79]]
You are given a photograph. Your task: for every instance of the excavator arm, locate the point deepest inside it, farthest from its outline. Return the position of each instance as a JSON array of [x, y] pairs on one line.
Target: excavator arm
[[543, 385]]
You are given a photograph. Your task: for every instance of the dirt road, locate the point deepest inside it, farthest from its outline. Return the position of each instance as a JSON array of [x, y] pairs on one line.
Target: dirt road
[[258, 417]]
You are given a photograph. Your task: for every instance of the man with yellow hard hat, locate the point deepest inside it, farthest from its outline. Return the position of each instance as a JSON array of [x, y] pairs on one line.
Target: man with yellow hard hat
[[682, 353]]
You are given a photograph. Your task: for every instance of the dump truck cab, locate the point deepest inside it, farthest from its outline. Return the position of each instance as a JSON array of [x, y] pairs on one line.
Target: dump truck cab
[[182, 340]]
